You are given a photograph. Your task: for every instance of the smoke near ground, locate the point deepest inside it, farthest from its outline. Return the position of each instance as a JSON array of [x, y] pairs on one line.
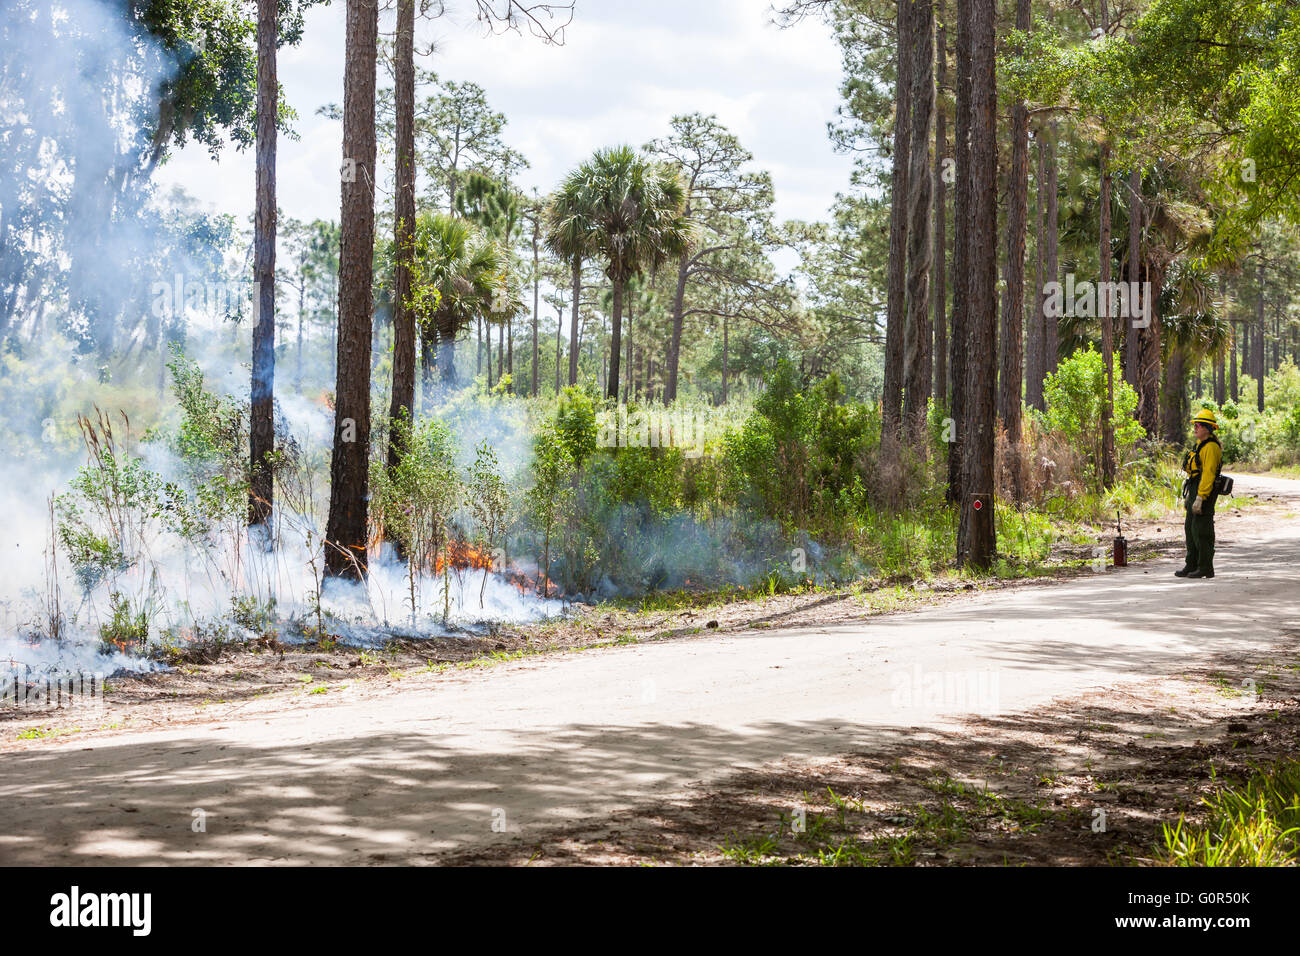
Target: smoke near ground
[[104, 275]]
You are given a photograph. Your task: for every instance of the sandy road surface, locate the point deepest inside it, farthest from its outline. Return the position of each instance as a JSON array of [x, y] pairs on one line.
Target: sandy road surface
[[495, 754]]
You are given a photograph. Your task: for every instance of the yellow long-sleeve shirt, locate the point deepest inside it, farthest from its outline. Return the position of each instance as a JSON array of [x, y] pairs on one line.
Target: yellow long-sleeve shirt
[[1211, 457]]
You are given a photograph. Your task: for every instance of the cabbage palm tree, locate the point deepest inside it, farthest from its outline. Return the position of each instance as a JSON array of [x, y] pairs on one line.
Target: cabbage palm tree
[[460, 275], [571, 237], [633, 209], [496, 207]]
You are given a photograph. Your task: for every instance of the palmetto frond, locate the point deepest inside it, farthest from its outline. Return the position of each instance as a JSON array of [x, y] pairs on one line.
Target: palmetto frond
[[1190, 312], [623, 208], [569, 231], [459, 272]]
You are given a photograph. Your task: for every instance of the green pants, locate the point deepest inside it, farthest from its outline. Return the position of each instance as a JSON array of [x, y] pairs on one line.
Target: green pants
[[1200, 541]]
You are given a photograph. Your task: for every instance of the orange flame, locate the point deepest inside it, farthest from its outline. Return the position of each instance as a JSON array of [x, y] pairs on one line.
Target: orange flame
[[462, 555]]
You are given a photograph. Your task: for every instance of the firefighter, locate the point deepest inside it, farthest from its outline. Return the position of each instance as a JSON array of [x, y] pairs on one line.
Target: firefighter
[[1202, 465]]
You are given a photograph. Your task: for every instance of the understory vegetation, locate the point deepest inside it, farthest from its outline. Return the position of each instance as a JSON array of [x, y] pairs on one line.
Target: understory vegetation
[[572, 497]]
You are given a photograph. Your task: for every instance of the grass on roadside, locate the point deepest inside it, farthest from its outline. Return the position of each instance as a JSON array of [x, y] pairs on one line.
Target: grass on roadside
[[851, 834], [1254, 824]]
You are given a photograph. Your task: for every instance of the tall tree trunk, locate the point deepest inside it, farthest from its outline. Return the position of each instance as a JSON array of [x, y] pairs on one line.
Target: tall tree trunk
[[446, 346], [1247, 348], [1277, 333], [302, 308], [725, 347], [559, 329], [940, 214], [1258, 351], [627, 358], [573, 332], [262, 391], [1011, 354], [537, 276], [1175, 398], [616, 340], [1133, 336], [402, 405], [1232, 354], [896, 305], [346, 530], [1037, 316], [675, 341], [1051, 261], [427, 333], [1220, 383], [958, 339], [1107, 324], [1149, 356], [982, 331], [917, 372]]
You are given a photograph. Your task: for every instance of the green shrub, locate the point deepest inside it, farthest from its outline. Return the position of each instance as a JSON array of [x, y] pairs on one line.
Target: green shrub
[[549, 500], [210, 446], [414, 502], [114, 508], [127, 628], [488, 500], [798, 458], [1075, 395], [575, 424], [1282, 388], [1290, 431]]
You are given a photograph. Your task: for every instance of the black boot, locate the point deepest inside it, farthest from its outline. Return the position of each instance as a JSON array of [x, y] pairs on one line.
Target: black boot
[[1184, 572], [1198, 573]]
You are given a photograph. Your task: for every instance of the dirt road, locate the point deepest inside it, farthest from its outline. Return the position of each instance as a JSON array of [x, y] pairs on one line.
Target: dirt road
[[474, 757]]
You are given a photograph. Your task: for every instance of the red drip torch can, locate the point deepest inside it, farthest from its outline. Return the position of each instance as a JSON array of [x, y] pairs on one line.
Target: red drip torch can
[[1121, 545]]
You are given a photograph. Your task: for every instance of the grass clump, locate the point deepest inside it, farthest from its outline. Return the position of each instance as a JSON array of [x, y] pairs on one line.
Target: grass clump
[[1254, 824]]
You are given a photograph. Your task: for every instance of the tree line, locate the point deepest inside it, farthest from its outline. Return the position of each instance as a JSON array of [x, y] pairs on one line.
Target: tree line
[[1181, 257], [1073, 139]]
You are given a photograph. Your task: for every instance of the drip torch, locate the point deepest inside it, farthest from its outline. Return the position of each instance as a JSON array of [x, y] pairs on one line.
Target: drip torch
[[1121, 545]]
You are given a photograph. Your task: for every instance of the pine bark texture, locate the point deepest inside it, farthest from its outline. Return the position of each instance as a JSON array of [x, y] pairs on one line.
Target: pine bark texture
[[917, 368], [896, 300], [1035, 332], [1011, 342], [982, 321], [958, 344], [940, 218], [262, 387], [346, 530], [402, 405]]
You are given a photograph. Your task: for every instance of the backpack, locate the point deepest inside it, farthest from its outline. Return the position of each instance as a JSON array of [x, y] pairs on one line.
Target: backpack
[[1222, 483]]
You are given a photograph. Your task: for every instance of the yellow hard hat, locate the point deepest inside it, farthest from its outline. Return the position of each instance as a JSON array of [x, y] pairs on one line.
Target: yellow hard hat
[[1206, 418]]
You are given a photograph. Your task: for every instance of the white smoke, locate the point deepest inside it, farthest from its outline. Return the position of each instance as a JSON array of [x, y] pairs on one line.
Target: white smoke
[[76, 84]]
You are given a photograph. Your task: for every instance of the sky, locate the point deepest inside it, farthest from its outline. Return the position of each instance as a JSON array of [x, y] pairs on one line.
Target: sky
[[625, 69]]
